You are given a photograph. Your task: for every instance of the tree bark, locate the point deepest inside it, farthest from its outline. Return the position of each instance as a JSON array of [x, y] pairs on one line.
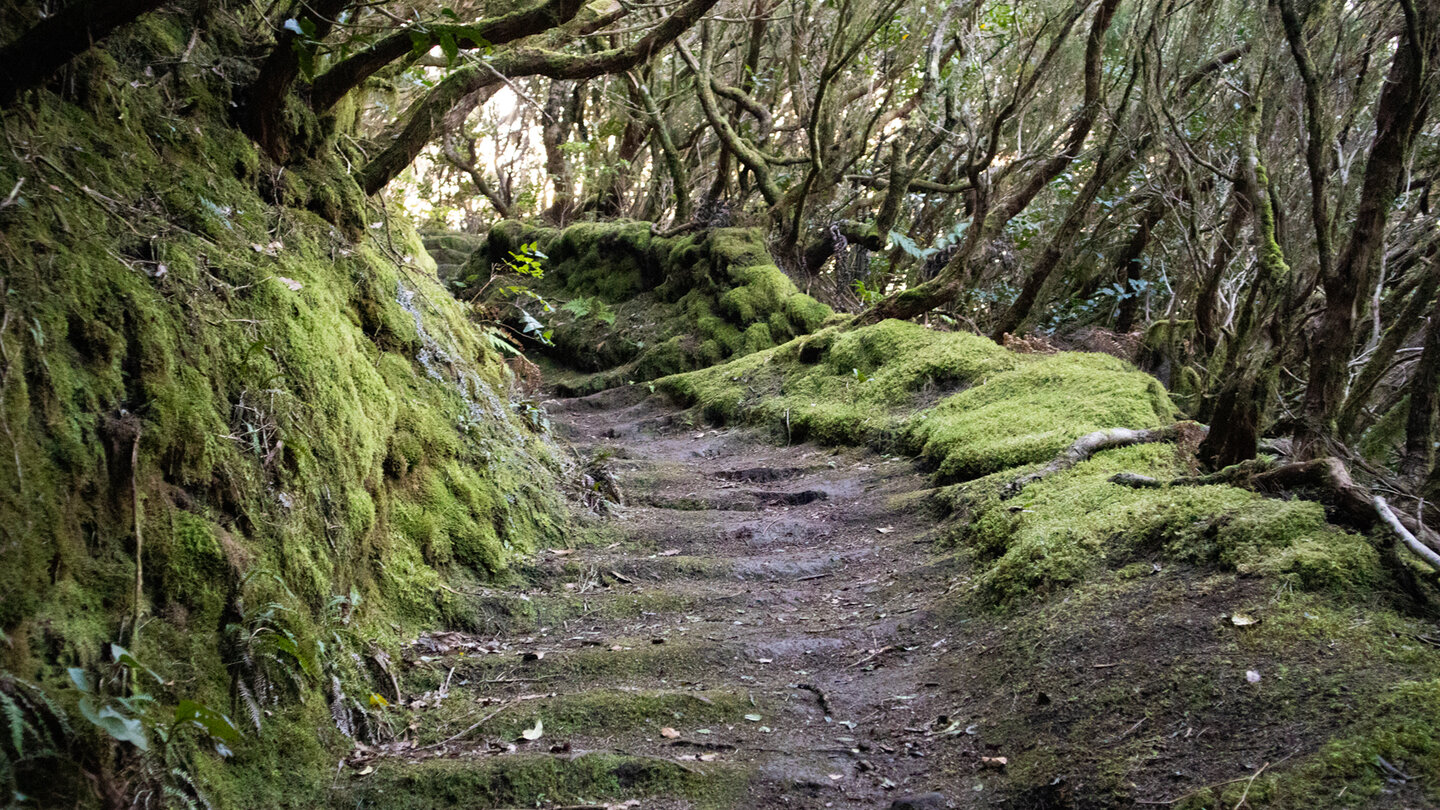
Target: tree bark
[[665, 141], [1419, 452], [1126, 268], [1349, 423], [1247, 378], [34, 56], [261, 114], [1207, 314], [1399, 115], [423, 116], [347, 74], [554, 134]]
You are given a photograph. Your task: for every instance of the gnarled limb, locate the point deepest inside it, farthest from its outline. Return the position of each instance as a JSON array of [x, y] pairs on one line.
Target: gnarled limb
[[674, 162], [1399, 115], [1091, 443], [34, 56], [423, 116], [347, 74], [1424, 552]]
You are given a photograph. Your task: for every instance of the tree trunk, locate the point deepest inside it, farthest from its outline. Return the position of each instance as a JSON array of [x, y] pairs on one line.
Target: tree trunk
[[1248, 376], [1207, 314], [1399, 115], [554, 135], [1419, 453], [34, 56], [986, 222], [1349, 423], [1127, 265], [262, 108]]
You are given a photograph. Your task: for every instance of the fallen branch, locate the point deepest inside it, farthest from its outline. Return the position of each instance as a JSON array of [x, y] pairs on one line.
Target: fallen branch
[[1421, 550], [478, 723], [1091, 443]]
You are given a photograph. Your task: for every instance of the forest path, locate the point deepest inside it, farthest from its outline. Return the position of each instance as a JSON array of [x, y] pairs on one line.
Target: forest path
[[753, 628]]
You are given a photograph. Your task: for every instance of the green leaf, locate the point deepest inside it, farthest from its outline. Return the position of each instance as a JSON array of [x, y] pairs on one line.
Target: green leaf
[[81, 679], [448, 47], [207, 719], [117, 725], [122, 656], [420, 43]]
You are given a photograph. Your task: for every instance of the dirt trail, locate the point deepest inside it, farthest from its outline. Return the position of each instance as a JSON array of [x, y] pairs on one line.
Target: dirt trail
[[770, 604]]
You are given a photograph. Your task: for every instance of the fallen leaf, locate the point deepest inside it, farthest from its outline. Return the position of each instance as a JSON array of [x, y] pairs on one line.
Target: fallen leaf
[[837, 776], [754, 718], [368, 769], [994, 762], [1242, 620], [886, 529], [671, 552], [294, 285], [669, 733], [708, 757], [534, 733]]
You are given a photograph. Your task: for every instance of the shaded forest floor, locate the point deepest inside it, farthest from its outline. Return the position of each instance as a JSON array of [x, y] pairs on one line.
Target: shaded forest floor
[[762, 625]]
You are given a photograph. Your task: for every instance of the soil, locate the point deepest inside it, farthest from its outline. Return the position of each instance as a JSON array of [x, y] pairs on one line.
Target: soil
[[780, 623]]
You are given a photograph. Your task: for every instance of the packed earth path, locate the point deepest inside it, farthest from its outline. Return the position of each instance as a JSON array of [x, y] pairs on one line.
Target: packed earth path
[[752, 628]]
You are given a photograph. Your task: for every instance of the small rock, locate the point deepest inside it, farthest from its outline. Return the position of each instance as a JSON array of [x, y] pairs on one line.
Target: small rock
[[923, 801]]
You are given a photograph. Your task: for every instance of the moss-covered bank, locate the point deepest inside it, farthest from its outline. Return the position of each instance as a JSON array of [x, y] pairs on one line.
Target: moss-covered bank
[[631, 306], [207, 369], [1114, 623]]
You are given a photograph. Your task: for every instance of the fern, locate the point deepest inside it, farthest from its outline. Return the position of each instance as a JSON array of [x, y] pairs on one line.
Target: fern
[[19, 726], [579, 307], [499, 342]]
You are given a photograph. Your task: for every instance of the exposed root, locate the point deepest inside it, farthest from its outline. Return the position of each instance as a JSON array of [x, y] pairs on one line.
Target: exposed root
[[1091, 443], [1421, 550], [1348, 504]]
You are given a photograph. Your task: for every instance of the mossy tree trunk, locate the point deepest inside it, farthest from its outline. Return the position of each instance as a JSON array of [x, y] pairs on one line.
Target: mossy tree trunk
[[1419, 452], [262, 113], [419, 123], [559, 120], [349, 73], [31, 58], [1247, 377], [1400, 113]]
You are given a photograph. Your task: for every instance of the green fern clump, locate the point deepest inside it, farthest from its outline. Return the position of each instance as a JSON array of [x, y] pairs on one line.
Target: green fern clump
[[33, 730]]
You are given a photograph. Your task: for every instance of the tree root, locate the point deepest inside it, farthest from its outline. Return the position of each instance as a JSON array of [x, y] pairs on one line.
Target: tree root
[[1347, 503], [1092, 443], [1421, 550]]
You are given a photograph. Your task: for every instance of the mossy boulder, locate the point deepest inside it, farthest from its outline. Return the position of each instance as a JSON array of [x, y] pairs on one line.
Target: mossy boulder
[[627, 305]]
